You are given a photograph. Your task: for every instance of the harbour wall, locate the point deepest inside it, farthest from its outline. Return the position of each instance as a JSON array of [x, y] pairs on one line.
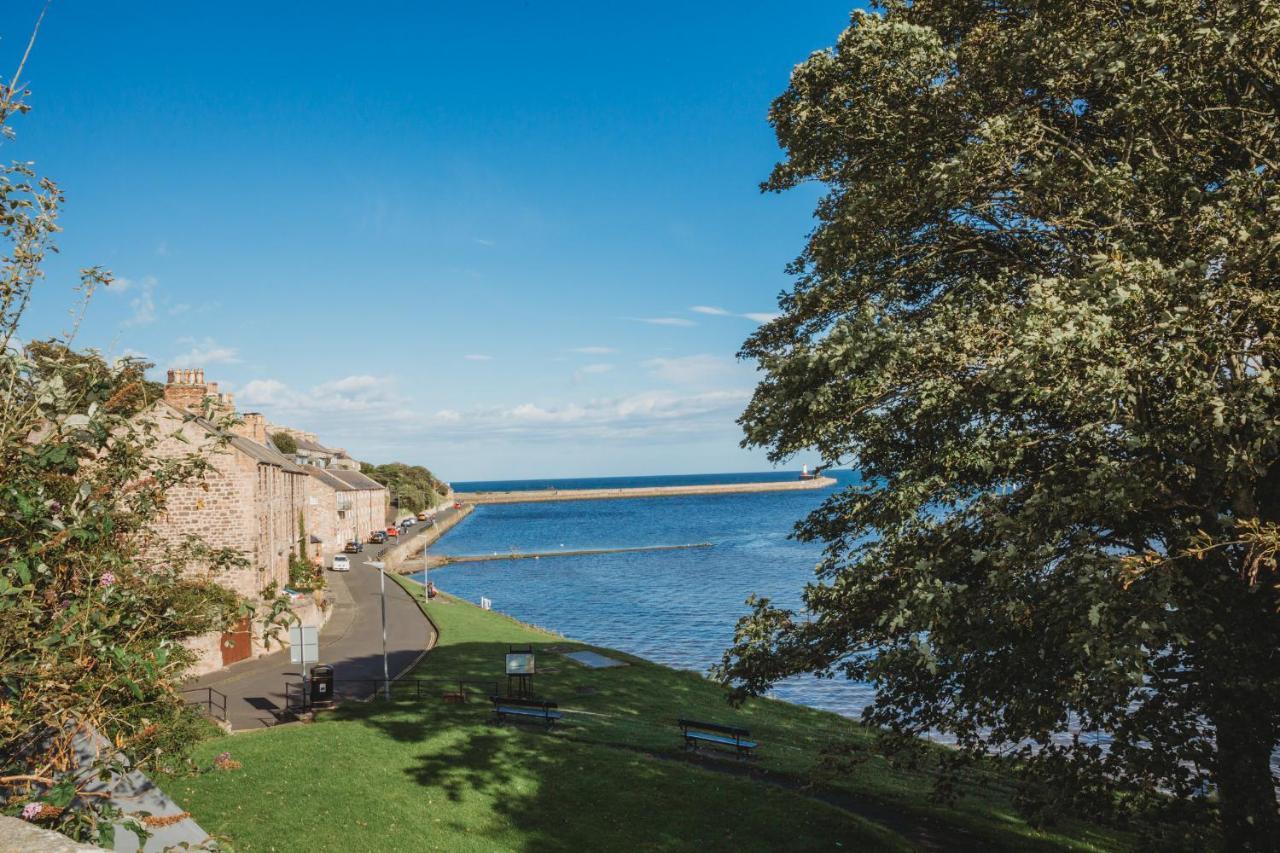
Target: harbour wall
[[642, 492]]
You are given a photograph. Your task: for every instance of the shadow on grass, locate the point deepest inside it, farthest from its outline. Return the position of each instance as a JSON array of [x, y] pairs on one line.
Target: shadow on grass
[[619, 750]]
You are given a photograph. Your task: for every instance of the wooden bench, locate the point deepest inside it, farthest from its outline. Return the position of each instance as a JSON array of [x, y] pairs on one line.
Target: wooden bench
[[509, 706], [697, 732]]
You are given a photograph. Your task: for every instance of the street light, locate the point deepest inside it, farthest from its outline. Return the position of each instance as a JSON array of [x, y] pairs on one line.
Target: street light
[[386, 672]]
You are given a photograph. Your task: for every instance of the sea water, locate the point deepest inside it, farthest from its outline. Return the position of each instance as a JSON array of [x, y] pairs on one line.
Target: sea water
[[675, 607]]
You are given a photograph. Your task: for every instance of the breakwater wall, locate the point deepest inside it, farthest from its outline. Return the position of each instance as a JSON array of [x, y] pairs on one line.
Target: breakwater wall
[[435, 562], [642, 492], [395, 556]]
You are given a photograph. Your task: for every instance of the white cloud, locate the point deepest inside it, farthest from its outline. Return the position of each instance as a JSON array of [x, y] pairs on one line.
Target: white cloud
[[649, 415], [144, 304], [594, 350], [483, 242], [371, 419], [755, 316], [478, 357], [664, 321], [119, 285], [596, 368], [701, 369], [205, 351], [359, 394], [131, 353]]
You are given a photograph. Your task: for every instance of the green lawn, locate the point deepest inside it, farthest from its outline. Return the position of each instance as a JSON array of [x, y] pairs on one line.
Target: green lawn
[[416, 774]]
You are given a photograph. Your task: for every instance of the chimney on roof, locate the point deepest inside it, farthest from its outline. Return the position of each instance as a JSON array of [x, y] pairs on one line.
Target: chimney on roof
[[253, 426], [185, 390]]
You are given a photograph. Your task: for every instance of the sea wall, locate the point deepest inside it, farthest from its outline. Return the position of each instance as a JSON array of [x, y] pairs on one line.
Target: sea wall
[[646, 492], [395, 556]]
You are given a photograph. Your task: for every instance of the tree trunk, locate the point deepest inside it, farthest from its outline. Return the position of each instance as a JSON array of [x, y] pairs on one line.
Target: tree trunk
[[1246, 789]]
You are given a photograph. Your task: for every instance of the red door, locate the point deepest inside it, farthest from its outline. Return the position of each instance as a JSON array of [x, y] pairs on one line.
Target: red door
[[237, 644]]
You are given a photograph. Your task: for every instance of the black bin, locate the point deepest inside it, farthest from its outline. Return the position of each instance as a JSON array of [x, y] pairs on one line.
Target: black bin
[[322, 686]]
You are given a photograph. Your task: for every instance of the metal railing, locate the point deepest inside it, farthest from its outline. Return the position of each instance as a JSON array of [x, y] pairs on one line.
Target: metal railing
[[212, 703], [297, 696]]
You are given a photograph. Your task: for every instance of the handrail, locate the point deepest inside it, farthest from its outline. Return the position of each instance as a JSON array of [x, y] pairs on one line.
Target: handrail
[[214, 700]]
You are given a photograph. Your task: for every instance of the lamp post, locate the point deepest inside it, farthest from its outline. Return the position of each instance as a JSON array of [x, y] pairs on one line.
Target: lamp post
[[382, 580]]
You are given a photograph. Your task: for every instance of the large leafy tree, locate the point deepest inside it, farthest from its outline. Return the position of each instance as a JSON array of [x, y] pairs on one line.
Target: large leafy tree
[[1038, 310]]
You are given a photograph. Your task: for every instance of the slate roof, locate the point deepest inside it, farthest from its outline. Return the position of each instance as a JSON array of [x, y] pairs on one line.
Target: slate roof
[[328, 479], [250, 448], [307, 444], [354, 479]]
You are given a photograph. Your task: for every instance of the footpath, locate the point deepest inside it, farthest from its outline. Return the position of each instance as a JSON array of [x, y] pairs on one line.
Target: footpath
[[350, 642]]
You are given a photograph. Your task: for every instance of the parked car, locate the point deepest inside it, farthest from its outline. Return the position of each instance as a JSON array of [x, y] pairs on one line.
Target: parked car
[[341, 563], [422, 516], [391, 531], [377, 537], [353, 547], [406, 524], [457, 504]]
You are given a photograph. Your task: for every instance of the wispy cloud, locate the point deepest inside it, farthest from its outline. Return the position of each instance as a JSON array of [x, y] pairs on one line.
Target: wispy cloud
[[646, 416], [589, 370], [360, 394], [205, 351], [144, 303], [475, 356], [701, 369], [664, 321], [594, 350], [483, 242], [369, 416], [754, 316]]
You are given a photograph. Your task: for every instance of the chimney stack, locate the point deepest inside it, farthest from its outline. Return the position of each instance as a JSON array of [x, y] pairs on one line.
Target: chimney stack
[[253, 426], [185, 390]]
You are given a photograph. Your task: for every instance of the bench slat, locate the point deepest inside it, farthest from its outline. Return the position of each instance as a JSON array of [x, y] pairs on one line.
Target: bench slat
[[529, 712], [728, 741]]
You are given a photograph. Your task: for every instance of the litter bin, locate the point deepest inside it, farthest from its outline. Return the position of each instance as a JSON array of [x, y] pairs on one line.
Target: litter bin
[[322, 686]]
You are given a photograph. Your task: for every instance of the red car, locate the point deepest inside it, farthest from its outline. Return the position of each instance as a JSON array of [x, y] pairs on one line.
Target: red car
[[391, 531]]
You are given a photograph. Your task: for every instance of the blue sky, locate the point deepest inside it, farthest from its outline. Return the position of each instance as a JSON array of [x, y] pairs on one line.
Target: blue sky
[[500, 240]]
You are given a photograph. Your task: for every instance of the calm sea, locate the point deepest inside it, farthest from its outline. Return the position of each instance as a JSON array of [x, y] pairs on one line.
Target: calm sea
[[674, 607]]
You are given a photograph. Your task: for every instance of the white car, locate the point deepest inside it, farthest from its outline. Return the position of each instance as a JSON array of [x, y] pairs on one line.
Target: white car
[[341, 563]]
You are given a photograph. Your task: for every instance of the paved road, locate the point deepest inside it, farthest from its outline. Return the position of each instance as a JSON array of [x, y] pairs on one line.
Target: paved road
[[351, 642]]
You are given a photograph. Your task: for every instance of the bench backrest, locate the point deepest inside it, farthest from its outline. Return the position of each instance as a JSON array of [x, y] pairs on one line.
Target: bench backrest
[[712, 727], [522, 703]]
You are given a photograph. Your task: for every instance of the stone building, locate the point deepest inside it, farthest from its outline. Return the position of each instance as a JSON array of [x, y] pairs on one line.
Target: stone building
[[251, 499], [342, 506], [312, 452]]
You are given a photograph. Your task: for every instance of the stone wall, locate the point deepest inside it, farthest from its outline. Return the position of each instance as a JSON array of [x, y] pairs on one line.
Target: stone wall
[[311, 609], [322, 520], [217, 509]]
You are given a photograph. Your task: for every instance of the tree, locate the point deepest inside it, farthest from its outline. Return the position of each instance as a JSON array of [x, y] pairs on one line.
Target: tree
[[413, 488], [285, 443], [1038, 310], [92, 613]]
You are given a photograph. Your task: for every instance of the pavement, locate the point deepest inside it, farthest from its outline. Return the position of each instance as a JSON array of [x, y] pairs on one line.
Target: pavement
[[350, 642]]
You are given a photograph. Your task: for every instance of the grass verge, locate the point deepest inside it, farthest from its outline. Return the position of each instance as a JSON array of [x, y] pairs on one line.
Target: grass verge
[[417, 774]]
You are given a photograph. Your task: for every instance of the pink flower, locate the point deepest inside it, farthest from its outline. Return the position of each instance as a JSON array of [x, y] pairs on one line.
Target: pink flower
[[106, 580], [31, 811]]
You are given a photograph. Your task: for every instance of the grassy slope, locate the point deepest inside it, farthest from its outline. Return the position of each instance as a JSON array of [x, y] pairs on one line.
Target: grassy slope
[[419, 774]]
